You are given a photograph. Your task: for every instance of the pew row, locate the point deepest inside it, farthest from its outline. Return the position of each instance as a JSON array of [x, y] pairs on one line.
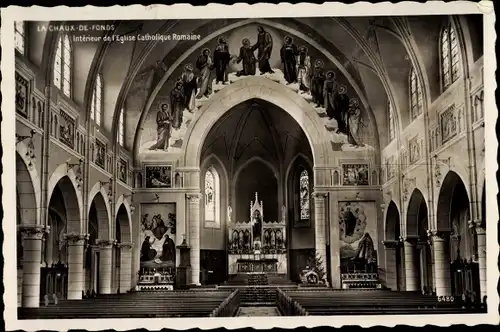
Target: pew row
[[197, 303]]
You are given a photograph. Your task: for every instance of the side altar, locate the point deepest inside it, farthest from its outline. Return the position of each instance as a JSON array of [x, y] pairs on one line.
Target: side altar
[[257, 245]]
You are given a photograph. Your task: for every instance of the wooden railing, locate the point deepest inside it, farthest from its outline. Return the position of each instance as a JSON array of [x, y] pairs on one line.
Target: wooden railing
[[288, 306], [229, 306]]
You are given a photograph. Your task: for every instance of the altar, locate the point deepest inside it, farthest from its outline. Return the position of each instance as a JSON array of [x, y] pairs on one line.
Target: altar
[[257, 245]]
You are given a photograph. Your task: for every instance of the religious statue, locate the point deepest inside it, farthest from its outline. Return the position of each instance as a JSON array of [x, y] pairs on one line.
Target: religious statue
[[264, 46], [163, 128], [317, 82], [303, 69], [355, 122], [288, 54], [177, 104], [248, 57], [221, 60], [205, 65], [283, 214], [229, 214], [190, 88], [256, 225]]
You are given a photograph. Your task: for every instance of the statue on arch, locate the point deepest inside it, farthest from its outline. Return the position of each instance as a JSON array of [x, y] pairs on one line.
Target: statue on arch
[[264, 46], [317, 82], [354, 123], [190, 87], [248, 57], [205, 65], [221, 60], [163, 128], [288, 54], [177, 103], [303, 69]]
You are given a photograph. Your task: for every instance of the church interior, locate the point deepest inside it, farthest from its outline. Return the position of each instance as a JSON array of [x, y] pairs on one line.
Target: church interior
[[314, 166]]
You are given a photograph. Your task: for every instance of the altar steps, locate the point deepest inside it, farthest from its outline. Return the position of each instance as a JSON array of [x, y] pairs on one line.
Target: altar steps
[[259, 295], [258, 279]]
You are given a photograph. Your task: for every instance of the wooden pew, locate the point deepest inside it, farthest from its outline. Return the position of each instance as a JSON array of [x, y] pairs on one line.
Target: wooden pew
[[138, 305]]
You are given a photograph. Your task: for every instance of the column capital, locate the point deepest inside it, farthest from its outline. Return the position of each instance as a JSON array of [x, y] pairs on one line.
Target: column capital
[[410, 239], [478, 225], [194, 197], [391, 244], [33, 232], [125, 245], [105, 243], [320, 194], [438, 235], [76, 238]]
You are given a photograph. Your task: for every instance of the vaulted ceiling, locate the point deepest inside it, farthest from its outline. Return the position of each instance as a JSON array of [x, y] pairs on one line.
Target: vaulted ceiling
[[256, 129], [370, 55]]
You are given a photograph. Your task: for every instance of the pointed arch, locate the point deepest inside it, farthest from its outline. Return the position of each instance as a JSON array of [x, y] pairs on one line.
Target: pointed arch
[[20, 36], [392, 223], [97, 100], [417, 215], [66, 179], [99, 197], [449, 55], [63, 65], [416, 97]]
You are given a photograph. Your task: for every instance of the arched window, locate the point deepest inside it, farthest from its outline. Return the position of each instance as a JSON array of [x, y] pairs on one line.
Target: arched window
[[62, 65], [19, 36], [212, 197], [304, 195], [121, 129], [450, 66], [391, 123], [96, 107], [416, 102]]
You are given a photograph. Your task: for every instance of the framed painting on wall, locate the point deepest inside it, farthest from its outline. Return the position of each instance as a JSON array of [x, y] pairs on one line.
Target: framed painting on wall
[[355, 175], [158, 176]]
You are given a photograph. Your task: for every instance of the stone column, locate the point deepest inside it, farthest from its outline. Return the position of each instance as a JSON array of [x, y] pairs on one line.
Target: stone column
[[194, 236], [76, 243], [32, 254], [125, 266], [320, 227], [411, 259], [441, 263], [105, 265], [391, 269], [481, 254]]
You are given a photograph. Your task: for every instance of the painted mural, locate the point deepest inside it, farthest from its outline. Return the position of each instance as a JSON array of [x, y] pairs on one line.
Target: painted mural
[[358, 236], [158, 225], [251, 50]]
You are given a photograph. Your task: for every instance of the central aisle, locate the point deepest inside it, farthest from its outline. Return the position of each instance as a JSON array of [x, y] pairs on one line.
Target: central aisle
[[258, 311]]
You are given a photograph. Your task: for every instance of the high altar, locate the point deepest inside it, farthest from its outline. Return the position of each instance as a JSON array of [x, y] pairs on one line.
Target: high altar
[[257, 245]]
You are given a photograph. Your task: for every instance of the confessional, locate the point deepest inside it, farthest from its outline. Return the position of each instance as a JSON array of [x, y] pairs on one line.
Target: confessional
[[54, 280]]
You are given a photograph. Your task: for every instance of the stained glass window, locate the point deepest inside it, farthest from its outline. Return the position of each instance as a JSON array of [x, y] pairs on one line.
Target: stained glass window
[[19, 36], [121, 129], [210, 195], [416, 102], [62, 65], [450, 57], [304, 195], [96, 106], [392, 129]]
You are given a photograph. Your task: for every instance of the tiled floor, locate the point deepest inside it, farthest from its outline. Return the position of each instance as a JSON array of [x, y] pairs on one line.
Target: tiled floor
[[258, 311]]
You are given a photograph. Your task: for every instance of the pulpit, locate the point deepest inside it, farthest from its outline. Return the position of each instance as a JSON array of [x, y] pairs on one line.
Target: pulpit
[[257, 245]]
